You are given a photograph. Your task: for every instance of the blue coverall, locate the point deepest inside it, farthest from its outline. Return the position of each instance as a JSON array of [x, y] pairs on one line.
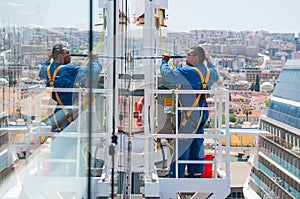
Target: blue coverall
[[66, 77], [189, 149], [66, 147]]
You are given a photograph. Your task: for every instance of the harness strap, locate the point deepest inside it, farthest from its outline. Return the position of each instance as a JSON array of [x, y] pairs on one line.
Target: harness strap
[[204, 83], [52, 78], [51, 83], [204, 86]]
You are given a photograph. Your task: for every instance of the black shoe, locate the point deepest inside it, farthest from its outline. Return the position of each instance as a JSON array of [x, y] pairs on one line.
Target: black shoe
[[197, 176], [165, 176], [189, 176], [192, 176]]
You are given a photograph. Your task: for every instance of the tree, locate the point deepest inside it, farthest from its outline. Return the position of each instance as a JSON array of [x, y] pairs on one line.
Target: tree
[[211, 122], [257, 85], [247, 112], [267, 102], [239, 100], [232, 118], [252, 87]]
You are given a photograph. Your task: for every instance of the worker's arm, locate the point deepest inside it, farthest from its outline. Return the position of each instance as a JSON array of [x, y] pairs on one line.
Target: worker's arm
[[45, 64], [214, 77], [83, 73], [176, 76], [168, 73]]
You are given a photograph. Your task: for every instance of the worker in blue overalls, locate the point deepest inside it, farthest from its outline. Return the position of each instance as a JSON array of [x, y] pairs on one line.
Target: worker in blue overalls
[[61, 75], [195, 76]]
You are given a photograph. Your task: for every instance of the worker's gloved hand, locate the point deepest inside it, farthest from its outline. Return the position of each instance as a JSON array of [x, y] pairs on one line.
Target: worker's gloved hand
[[166, 57]]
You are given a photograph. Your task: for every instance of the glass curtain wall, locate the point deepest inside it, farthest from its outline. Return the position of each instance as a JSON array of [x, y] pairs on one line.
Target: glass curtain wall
[[57, 132]]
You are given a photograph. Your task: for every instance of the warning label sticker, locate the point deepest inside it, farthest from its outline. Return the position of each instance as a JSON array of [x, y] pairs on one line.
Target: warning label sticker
[[167, 101]]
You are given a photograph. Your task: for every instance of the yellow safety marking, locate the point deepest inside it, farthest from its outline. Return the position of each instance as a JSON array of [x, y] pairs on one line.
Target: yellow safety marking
[[168, 101]]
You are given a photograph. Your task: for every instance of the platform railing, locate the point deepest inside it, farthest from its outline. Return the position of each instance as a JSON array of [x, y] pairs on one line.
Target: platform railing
[[218, 107], [77, 131]]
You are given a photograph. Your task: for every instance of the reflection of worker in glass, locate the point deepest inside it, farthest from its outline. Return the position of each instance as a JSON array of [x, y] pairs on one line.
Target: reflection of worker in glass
[[195, 76], [60, 75]]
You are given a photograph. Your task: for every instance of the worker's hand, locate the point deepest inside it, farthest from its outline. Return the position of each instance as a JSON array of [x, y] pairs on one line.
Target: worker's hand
[[94, 56], [166, 57], [49, 56], [207, 57]]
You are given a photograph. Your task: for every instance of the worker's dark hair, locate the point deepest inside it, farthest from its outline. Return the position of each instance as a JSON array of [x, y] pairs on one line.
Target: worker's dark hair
[[57, 49], [199, 52]]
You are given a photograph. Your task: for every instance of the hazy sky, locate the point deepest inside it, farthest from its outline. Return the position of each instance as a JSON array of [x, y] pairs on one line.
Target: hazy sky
[[271, 15], [183, 15]]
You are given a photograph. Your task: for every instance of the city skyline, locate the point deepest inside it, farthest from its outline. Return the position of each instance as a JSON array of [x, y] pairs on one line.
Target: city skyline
[[268, 15]]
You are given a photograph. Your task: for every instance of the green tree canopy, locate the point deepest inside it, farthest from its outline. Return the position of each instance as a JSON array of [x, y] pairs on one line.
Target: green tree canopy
[[232, 118]]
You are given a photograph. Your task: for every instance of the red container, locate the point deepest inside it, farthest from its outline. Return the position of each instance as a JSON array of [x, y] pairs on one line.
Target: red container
[[208, 171]]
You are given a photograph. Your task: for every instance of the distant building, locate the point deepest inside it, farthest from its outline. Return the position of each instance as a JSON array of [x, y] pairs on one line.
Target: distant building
[[281, 56], [266, 87], [3, 71], [238, 86], [25, 49], [275, 170], [253, 117], [274, 64], [272, 51], [270, 75], [296, 55], [251, 73], [298, 44], [247, 51]]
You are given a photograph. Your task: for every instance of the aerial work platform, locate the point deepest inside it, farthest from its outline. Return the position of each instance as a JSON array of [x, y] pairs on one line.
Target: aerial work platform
[[148, 170]]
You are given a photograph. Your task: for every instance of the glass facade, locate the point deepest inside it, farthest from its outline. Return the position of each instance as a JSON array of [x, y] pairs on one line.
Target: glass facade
[[287, 88], [276, 173], [285, 113], [27, 162], [75, 128]]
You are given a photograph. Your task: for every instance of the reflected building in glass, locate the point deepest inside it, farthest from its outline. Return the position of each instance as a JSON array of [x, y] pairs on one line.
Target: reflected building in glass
[[276, 170]]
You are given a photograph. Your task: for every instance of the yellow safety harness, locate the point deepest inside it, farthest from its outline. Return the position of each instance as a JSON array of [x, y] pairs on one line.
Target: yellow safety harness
[[189, 113], [204, 87], [59, 101]]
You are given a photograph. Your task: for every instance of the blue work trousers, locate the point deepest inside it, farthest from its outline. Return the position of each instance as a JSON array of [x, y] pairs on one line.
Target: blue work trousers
[[189, 149]]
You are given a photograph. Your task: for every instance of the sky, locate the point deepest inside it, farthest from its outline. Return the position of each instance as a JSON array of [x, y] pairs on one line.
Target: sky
[[270, 15], [183, 15]]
